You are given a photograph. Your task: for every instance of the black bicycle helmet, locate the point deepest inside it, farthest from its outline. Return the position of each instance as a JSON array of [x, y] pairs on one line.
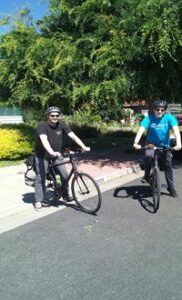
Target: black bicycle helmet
[[53, 109], [160, 103]]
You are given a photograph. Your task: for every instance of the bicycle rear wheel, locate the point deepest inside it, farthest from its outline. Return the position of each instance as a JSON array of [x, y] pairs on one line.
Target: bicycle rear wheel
[[86, 193], [156, 188]]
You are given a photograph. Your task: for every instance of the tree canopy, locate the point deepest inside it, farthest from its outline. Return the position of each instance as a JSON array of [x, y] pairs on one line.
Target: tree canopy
[[94, 53]]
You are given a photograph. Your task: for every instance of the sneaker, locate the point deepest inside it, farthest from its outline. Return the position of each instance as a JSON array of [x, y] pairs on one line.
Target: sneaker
[[172, 192], [38, 205]]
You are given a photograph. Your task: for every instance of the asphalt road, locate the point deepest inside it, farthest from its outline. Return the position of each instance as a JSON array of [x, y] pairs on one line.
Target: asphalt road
[[125, 252]]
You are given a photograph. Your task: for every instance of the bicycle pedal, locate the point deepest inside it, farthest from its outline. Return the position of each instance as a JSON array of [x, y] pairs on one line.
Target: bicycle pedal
[[144, 180], [68, 199]]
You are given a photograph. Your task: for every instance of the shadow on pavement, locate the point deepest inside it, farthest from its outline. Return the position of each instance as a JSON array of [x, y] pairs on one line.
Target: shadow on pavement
[[28, 198], [177, 164], [136, 192]]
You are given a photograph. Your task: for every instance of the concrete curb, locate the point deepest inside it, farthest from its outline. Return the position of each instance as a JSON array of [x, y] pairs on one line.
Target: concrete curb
[[118, 174]]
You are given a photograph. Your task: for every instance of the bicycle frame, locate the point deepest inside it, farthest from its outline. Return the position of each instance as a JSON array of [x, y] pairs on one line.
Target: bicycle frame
[[74, 170], [83, 186], [157, 151]]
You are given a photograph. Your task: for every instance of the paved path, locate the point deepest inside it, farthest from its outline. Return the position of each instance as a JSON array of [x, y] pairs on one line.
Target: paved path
[[107, 167], [122, 253]]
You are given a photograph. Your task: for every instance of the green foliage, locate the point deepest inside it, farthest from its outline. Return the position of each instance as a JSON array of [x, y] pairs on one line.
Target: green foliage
[[139, 117], [155, 40], [32, 116], [99, 52], [85, 124], [162, 36], [16, 141]]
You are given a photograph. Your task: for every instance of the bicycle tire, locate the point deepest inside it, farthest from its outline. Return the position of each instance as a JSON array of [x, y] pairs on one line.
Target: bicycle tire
[[156, 188], [86, 193]]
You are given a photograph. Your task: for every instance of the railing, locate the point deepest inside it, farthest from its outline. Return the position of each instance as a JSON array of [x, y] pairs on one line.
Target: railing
[[11, 119]]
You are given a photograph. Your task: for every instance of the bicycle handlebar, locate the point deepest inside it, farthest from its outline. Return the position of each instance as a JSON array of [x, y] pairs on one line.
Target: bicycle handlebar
[[156, 148], [68, 152]]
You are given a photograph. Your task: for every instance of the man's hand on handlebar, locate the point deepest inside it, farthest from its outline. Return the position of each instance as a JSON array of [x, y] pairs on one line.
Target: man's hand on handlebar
[[86, 148], [56, 154], [69, 151], [148, 146], [176, 148], [151, 146], [137, 146]]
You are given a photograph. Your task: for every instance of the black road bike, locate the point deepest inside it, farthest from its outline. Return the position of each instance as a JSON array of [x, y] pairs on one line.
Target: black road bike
[[154, 179], [85, 190]]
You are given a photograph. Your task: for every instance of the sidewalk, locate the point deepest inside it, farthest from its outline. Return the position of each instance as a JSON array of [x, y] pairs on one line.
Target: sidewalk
[[16, 199]]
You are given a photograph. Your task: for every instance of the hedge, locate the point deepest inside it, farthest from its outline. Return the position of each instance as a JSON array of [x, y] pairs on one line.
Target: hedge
[[16, 141]]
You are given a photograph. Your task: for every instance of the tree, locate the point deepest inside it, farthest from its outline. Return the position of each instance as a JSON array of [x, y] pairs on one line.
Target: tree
[[155, 28], [94, 52], [92, 67]]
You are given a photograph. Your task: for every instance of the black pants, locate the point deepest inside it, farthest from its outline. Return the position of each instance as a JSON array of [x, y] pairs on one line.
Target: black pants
[[166, 160], [41, 168]]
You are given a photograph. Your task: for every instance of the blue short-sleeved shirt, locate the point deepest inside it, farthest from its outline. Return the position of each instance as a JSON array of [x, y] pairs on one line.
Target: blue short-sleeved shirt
[[158, 129]]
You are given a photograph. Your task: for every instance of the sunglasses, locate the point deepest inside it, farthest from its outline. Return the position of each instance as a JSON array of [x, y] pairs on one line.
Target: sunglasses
[[160, 109], [54, 116]]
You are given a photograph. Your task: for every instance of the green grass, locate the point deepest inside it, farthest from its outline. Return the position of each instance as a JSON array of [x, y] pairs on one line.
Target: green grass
[[8, 163]]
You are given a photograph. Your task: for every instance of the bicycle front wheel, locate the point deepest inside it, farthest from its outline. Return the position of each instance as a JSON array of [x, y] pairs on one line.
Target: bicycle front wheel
[[156, 189], [86, 193]]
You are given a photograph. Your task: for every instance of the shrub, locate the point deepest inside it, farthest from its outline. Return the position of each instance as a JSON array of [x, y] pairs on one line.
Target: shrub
[[16, 141], [32, 116], [86, 124]]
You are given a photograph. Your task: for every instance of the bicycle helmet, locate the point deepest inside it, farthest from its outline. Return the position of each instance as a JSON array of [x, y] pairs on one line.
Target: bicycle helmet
[[160, 103], [52, 109]]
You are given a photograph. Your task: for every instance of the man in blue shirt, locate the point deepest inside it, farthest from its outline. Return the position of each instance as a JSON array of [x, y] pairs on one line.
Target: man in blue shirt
[[158, 126]]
